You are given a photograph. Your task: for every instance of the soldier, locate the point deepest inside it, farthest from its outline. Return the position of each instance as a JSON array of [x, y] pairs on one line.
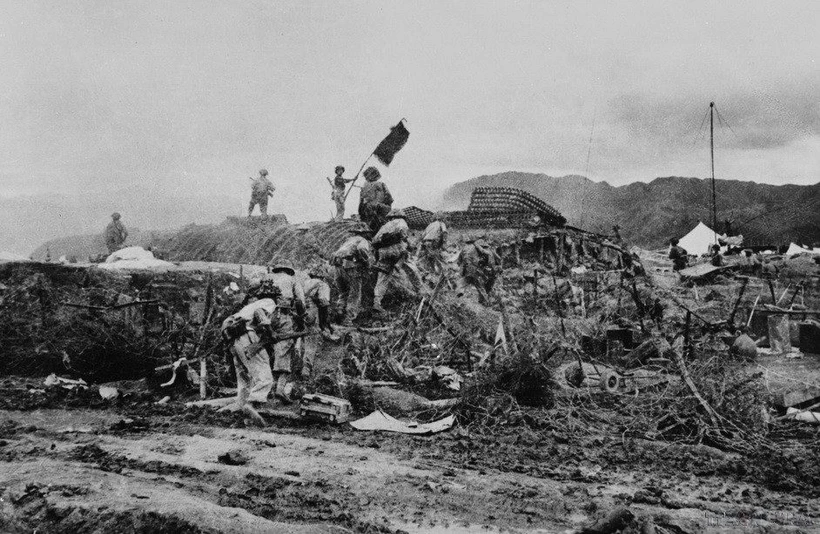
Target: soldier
[[479, 267], [717, 257], [317, 297], [115, 234], [352, 262], [248, 331], [261, 190], [291, 308], [391, 246], [375, 200], [432, 244], [616, 235], [338, 195], [678, 255]]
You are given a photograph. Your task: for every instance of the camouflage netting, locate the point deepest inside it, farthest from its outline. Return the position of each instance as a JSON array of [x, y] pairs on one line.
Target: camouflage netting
[[494, 207], [254, 241]]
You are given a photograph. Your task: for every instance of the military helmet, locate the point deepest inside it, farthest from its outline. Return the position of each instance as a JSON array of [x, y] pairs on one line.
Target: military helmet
[[396, 214], [263, 172], [285, 266], [318, 270], [267, 289], [115, 216], [371, 174]]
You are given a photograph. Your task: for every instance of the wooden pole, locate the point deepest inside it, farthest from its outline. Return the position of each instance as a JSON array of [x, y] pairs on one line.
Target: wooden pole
[[558, 304], [353, 183], [731, 320], [752, 313], [506, 319], [687, 379], [771, 290], [712, 150]]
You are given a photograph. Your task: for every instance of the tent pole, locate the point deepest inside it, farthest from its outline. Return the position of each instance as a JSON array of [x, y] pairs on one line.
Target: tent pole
[[712, 150]]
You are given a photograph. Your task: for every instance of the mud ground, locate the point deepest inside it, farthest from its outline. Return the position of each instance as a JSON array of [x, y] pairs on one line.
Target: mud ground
[[73, 464]]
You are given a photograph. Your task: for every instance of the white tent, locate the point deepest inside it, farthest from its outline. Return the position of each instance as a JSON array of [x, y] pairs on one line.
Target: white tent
[[700, 240], [795, 249]]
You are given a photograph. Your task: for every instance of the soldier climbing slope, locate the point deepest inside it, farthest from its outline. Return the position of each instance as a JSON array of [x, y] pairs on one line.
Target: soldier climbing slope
[[261, 190], [317, 298], [431, 246], [248, 332], [291, 308], [479, 267], [375, 200], [391, 243], [115, 234], [352, 262]]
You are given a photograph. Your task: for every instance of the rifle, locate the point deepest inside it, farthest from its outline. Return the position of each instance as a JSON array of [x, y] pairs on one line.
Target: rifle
[[270, 193], [253, 348]]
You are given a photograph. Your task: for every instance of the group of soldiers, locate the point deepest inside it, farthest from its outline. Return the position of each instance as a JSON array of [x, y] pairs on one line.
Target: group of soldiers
[[282, 318], [272, 329]]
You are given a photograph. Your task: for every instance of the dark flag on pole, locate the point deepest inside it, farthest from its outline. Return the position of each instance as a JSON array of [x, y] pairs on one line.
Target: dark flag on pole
[[392, 143]]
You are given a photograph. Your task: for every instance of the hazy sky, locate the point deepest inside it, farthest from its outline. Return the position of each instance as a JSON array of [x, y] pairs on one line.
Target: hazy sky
[[195, 96]]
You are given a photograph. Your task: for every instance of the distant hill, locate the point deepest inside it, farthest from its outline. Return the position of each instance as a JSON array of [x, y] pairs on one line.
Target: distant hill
[[650, 213], [28, 222]]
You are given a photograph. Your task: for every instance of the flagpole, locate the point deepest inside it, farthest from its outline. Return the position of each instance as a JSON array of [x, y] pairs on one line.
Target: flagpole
[[349, 189]]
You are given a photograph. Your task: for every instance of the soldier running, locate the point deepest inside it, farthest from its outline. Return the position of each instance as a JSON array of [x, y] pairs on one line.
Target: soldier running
[[479, 267]]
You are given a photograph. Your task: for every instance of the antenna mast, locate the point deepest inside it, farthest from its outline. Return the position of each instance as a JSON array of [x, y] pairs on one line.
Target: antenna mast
[[712, 148]]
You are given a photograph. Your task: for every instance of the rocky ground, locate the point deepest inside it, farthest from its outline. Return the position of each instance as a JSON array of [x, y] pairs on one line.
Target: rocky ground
[[529, 452], [72, 464]]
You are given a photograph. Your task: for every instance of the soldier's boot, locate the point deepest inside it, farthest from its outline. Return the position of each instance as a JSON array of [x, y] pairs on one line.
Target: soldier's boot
[[281, 383]]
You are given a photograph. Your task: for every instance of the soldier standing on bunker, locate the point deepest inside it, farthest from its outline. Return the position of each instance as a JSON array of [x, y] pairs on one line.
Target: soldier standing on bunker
[[338, 195], [432, 244], [115, 234], [261, 190], [678, 255], [352, 262], [479, 268], [391, 243], [248, 331], [375, 200], [291, 308]]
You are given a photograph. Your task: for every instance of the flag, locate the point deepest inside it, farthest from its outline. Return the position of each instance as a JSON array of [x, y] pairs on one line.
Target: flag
[[500, 336], [391, 144]]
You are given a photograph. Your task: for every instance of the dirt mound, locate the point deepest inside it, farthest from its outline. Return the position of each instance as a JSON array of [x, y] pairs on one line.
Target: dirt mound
[[255, 241]]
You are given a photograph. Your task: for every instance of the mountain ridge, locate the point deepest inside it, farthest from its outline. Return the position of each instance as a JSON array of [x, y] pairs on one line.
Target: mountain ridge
[[650, 213]]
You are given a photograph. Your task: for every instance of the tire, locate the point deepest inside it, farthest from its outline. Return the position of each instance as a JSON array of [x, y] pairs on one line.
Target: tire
[[610, 381]]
